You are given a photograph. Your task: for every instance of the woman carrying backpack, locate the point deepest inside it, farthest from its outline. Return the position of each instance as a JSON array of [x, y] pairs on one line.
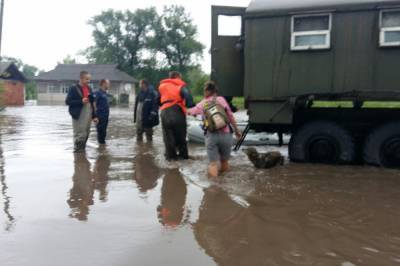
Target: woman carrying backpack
[[219, 123]]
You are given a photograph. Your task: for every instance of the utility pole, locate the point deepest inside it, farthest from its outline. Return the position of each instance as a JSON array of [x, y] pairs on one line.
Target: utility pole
[[1, 24]]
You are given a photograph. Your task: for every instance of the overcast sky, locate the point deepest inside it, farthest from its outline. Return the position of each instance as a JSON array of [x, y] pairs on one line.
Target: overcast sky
[[43, 32]]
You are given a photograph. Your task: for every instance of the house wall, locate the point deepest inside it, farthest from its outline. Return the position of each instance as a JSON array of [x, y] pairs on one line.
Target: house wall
[[14, 93], [54, 93]]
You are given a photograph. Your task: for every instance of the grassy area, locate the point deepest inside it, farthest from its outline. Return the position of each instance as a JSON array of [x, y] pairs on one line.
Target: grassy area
[[349, 104], [237, 101]]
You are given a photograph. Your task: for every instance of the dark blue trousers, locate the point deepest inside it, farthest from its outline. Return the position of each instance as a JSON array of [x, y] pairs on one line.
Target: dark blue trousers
[[102, 130]]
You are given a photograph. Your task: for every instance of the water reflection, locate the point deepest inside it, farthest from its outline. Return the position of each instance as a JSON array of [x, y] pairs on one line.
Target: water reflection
[[100, 175], [81, 196], [146, 172], [172, 211], [10, 220]]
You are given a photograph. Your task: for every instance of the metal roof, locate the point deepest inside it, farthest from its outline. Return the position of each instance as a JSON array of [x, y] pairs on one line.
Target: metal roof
[[69, 72], [9, 71], [282, 7]]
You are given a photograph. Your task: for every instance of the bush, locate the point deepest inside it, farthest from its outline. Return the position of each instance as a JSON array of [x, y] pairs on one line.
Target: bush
[[196, 79]]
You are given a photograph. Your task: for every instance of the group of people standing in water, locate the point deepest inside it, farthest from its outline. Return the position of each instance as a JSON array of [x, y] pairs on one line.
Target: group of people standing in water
[[174, 102]]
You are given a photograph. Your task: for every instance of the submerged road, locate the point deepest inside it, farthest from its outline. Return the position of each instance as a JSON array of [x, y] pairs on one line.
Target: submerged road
[[125, 205]]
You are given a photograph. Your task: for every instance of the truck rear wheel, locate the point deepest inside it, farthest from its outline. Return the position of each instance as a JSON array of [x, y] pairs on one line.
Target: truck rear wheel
[[382, 146], [322, 142]]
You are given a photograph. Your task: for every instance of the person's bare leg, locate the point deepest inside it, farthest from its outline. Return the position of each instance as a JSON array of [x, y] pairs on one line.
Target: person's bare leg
[[213, 169], [224, 166]]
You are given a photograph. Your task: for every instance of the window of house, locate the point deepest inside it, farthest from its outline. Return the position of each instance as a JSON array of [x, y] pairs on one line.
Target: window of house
[[390, 28], [65, 87], [42, 89], [311, 32], [229, 25], [128, 88], [53, 88]]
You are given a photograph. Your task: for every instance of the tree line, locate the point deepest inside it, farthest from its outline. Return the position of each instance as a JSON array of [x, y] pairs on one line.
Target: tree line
[[143, 43], [146, 44]]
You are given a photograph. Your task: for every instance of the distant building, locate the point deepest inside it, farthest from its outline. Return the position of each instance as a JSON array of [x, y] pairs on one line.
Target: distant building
[[53, 86], [14, 85]]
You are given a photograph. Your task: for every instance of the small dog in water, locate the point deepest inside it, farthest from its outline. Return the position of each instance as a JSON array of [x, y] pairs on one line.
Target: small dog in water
[[264, 160]]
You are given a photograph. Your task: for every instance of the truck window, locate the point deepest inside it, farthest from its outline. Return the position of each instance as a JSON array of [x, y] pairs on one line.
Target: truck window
[[229, 25], [390, 28], [311, 32]]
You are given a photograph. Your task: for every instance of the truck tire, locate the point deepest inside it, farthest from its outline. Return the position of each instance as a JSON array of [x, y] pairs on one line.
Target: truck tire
[[322, 142], [382, 146]]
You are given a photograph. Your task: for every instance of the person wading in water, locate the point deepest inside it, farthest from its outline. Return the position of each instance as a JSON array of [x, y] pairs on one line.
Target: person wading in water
[[81, 109], [146, 111], [102, 111], [219, 124], [174, 98]]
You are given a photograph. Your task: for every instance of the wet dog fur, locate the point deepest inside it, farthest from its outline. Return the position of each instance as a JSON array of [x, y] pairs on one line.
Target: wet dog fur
[[264, 160]]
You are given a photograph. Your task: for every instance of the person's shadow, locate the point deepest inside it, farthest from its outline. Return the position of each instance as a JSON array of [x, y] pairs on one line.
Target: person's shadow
[[85, 182], [172, 211]]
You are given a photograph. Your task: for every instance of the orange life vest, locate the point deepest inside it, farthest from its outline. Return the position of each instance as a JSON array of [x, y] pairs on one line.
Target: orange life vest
[[170, 93]]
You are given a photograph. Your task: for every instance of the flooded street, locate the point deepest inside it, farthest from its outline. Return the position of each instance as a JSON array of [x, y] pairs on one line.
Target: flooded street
[[125, 205]]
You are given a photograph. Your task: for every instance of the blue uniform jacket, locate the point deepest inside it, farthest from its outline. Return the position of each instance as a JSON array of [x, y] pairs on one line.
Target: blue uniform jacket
[[102, 106]]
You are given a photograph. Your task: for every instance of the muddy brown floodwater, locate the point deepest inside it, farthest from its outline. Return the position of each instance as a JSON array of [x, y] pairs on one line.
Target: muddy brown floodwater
[[125, 205]]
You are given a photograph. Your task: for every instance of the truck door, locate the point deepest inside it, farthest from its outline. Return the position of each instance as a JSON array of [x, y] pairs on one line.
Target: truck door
[[227, 49]]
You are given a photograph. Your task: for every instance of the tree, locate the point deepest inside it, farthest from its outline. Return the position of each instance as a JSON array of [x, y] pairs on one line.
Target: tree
[[175, 38], [145, 44], [69, 60], [121, 38], [29, 72]]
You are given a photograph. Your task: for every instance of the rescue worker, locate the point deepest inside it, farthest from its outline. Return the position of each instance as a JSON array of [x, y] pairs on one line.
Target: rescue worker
[[80, 102], [174, 98], [102, 109], [146, 111]]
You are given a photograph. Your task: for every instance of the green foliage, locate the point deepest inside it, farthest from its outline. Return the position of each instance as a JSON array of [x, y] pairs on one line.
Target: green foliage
[[122, 38], [30, 72], [196, 79], [145, 44], [175, 39], [69, 60]]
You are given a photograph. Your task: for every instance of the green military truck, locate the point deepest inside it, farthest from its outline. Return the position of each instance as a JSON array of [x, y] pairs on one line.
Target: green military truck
[[325, 71]]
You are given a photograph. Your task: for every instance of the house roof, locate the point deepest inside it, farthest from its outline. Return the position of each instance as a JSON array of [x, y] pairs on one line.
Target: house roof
[[9, 71], [70, 72], [282, 7]]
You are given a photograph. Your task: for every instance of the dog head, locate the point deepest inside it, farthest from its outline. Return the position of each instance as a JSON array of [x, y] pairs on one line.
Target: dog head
[[251, 153]]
